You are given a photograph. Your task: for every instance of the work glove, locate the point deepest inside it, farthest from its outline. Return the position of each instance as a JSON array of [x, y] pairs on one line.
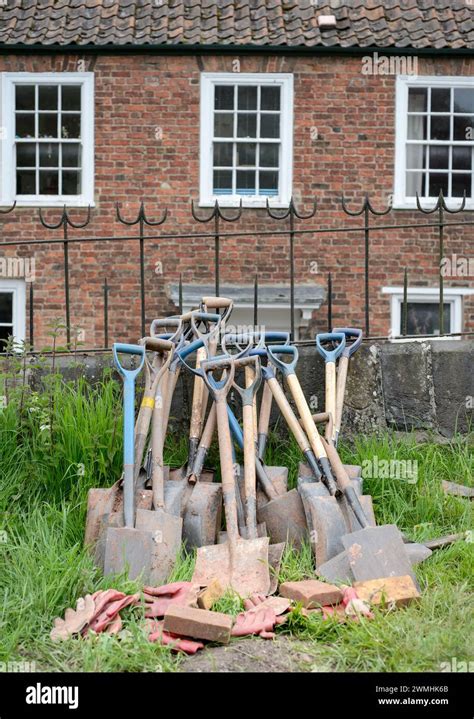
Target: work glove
[[158, 599], [175, 642], [261, 616]]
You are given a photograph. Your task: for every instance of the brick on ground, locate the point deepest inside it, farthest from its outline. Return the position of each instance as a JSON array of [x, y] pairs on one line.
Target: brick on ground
[[311, 592], [198, 624], [392, 590]]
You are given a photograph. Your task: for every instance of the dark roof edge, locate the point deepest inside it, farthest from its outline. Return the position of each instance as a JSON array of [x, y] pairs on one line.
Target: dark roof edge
[[183, 49]]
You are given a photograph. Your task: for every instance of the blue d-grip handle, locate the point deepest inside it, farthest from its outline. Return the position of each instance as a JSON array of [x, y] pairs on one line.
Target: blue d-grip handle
[[350, 333], [129, 376], [286, 367], [330, 355]]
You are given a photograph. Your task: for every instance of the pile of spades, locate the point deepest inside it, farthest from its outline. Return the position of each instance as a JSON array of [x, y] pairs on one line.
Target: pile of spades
[[140, 523]]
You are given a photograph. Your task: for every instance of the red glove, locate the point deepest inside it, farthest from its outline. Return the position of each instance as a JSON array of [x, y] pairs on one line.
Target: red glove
[[260, 620], [110, 612], [158, 599], [177, 644]]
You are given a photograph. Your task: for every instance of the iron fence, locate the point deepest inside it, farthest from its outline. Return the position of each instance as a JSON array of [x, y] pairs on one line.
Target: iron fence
[[215, 218]]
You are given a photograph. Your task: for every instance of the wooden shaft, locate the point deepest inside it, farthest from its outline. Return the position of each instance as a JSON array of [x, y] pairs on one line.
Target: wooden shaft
[[227, 470], [306, 418], [330, 404], [249, 378], [265, 409], [250, 472], [198, 397], [171, 380], [209, 428], [288, 414], [340, 391], [339, 470], [157, 477]]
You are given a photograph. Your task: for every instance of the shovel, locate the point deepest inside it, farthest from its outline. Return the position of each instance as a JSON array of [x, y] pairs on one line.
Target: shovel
[[330, 357], [127, 547], [348, 351], [253, 531], [241, 564]]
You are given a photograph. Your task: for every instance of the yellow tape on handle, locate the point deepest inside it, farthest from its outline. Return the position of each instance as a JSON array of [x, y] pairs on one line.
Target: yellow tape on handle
[[148, 402]]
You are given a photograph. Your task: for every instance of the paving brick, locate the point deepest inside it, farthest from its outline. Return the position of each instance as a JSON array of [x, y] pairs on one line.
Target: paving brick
[[210, 595], [397, 590], [198, 624], [311, 592]]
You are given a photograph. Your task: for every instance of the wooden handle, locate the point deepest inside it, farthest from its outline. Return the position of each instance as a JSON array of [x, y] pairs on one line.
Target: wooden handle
[[306, 418], [338, 468], [250, 472], [227, 471], [157, 477], [340, 391], [249, 378], [265, 409], [330, 402], [198, 397], [288, 414], [216, 302]]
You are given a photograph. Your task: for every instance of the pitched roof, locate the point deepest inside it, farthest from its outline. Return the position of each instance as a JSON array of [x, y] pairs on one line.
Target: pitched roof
[[397, 24]]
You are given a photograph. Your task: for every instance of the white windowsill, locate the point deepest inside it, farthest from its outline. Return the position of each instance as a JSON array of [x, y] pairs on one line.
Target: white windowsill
[[429, 204], [246, 203]]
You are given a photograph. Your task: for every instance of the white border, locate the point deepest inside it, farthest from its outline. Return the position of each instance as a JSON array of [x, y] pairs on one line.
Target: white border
[[18, 287], [403, 83], [7, 177], [208, 80], [452, 296]]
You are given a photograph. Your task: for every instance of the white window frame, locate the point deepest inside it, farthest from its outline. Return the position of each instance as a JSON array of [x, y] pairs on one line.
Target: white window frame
[[8, 80], [403, 83], [18, 288], [451, 295], [208, 82]]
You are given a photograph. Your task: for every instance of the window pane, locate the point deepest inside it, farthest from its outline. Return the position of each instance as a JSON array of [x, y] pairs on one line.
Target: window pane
[[246, 153], [5, 332], [268, 182], [246, 182], [25, 97], [463, 127], [25, 125], [223, 154], [269, 155], [6, 306], [270, 125], [48, 97], [439, 128], [270, 98], [440, 99], [26, 182], [49, 183], [461, 184], [247, 125], [423, 318], [462, 158], [70, 126], [224, 97], [416, 127], [71, 183], [416, 157], [464, 100], [48, 125], [49, 154], [222, 182], [247, 97], [439, 157], [417, 99], [224, 125], [416, 183], [438, 181], [71, 154], [71, 97], [26, 154]]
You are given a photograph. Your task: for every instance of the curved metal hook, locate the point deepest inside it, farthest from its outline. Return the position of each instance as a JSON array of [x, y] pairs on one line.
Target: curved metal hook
[[141, 217], [216, 212], [436, 207], [460, 209], [299, 215], [366, 205], [281, 216], [10, 209], [65, 220]]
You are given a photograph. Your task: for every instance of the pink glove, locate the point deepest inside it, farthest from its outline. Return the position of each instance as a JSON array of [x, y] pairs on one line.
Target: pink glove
[[158, 599], [260, 620], [177, 644]]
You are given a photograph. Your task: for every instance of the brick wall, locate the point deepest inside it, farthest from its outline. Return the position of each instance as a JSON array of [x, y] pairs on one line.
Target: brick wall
[[354, 153]]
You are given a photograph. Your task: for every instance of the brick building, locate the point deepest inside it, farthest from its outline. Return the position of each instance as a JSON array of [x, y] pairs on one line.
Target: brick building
[[249, 101]]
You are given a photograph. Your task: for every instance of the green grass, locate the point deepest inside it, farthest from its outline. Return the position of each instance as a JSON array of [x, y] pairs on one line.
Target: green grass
[[52, 452]]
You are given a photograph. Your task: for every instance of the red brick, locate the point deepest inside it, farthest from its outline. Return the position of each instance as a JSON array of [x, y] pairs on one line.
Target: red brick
[[198, 624], [311, 592]]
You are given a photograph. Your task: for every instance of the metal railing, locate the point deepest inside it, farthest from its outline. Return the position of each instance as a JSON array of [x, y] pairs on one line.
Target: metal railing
[[216, 217]]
